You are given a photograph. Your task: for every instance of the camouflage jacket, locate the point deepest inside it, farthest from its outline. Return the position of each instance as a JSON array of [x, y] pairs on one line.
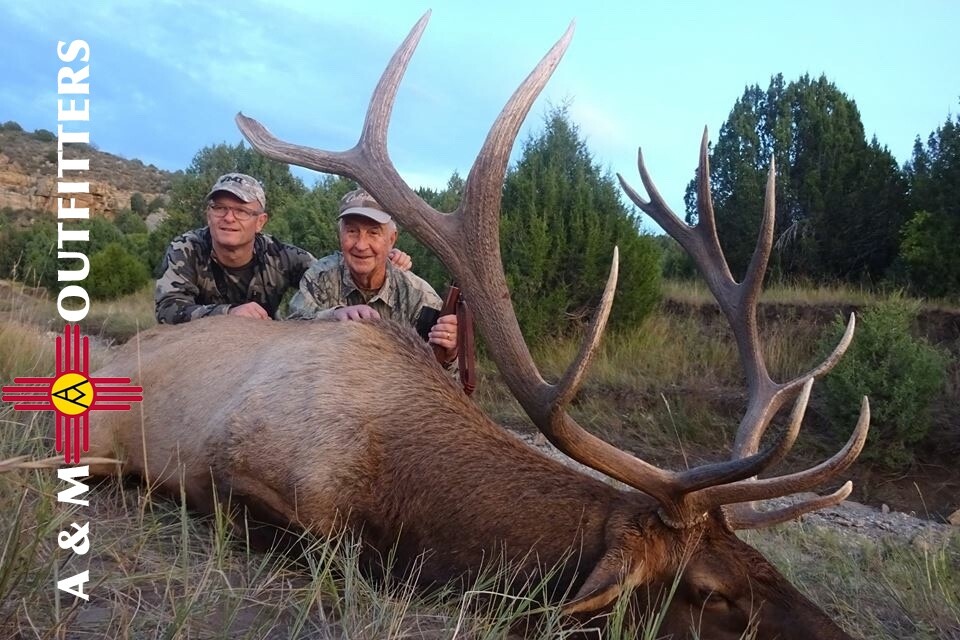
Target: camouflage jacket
[[327, 286], [193, 285]]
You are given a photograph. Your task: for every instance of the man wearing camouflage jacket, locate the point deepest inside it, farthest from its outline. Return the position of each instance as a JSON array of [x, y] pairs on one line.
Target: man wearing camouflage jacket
[[229, 266], [359, 283]]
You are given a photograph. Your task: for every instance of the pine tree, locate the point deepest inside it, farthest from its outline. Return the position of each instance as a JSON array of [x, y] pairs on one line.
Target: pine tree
[[840, 200], [561, 218], [929, 245]]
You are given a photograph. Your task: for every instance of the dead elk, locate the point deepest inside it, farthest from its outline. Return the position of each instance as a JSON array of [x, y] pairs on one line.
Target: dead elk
[[324, 424]]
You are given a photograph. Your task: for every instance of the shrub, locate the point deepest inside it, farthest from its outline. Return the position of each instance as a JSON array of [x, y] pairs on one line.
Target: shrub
[[901, 375], [44, 135], [138, 204], [128, 222], [114, 272], [157, 203], [10, 125]]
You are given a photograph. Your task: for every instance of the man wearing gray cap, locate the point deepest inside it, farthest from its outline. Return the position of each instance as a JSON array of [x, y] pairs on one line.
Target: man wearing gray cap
[[359, 282], [229, 266]]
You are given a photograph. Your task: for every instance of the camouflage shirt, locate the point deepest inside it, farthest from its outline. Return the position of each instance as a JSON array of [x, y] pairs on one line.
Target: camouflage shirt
[[327, 286], [193, 285]]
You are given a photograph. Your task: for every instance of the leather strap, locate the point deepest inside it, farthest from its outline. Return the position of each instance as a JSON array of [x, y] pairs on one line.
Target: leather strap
[[466, 353], [465, 343]]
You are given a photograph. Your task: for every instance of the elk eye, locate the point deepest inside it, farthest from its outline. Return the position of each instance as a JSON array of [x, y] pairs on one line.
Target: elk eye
[[713, 599]]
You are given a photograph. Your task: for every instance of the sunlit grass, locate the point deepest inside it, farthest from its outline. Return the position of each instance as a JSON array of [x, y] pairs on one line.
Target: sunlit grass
[[798, 293], [119, 320]]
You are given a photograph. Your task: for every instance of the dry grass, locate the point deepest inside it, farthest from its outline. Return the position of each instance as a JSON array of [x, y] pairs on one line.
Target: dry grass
[[799, 293]]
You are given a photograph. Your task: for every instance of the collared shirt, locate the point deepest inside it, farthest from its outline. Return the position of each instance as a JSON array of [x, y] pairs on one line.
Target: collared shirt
[[193, 285], [328, 286]]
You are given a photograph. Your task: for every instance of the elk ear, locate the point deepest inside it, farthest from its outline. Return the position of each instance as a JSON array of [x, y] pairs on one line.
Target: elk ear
[[617, 571]]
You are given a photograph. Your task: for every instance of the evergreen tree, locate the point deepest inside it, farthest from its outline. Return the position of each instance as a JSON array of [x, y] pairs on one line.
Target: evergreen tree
[[138, 204], [425, 263], [186, 206], [561, 218], [114, 272], [190, 188], [840, 200], [929, 246]]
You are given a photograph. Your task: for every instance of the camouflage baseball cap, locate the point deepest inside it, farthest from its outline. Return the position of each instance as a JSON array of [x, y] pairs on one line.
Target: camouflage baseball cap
[[241, 185], [360, 203]]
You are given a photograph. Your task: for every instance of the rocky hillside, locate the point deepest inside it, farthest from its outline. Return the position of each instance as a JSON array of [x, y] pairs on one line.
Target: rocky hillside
[[28, 175]]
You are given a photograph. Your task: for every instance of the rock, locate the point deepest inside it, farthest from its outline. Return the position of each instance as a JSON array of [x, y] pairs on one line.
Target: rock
[[884, 508]]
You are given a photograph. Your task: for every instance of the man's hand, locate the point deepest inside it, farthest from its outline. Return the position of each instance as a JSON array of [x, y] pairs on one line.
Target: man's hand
[[400, 260], [250, 310], [444, 335], [356, 312]]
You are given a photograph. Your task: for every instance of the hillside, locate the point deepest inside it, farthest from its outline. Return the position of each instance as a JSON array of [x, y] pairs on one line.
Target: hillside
[[28, 175]]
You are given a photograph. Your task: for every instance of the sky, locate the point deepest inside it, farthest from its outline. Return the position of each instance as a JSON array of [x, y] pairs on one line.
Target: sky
[[167, 77]]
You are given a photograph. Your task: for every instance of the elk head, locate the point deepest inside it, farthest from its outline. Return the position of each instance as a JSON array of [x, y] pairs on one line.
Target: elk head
[[680, 523]]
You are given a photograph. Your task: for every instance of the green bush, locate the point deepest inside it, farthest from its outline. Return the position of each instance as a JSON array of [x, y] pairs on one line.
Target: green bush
[[128, 222], [10, 125], [562, 216], [138, 204], [900, 373], [157, 203], [114, 272], [44, 135]]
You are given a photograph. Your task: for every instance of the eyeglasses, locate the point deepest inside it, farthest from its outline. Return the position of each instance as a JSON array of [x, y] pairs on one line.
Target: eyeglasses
[[221, 210]]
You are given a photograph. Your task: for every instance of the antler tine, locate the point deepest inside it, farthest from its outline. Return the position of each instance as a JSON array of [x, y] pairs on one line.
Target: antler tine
[[739, 517], [753, 280], [368, 162], [737, 301], [764, 489], [571, 380], [373, 139], [761, 408], [709, 475], [484, 184], [698, 490]]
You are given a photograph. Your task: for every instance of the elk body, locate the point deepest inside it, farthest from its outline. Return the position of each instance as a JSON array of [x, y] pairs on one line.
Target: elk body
[[326, 425]]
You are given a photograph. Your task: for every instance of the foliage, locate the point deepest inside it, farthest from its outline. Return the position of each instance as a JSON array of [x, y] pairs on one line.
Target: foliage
[[928, 247], [115, 272], [928, 250], [44, 135], [840, 201], [425, 263], [561, 219], [128, 222], [900, 374], [156, 203], [138, 204], [30, 255], [189, 190], [677, 263], [10, 125]]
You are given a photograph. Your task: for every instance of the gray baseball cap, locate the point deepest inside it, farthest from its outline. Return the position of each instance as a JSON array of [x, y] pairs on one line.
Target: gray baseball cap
[[360, 203], [241, 185]]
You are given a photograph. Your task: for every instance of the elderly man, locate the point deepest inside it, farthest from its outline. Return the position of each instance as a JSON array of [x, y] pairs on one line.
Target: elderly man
[[229, 266], [358, 282]]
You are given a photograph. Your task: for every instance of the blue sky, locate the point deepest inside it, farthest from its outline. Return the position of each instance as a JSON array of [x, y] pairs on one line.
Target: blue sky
[[167, 77]]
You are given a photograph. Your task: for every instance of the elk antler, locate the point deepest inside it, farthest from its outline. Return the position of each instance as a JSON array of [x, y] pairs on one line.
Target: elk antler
[[738, 301], [467, 241]]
